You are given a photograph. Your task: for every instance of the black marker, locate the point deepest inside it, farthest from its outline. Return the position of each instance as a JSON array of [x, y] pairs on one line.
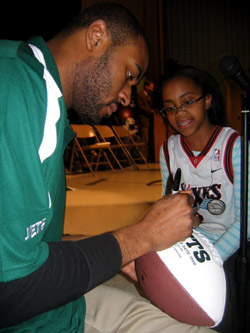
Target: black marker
[[177, 180]]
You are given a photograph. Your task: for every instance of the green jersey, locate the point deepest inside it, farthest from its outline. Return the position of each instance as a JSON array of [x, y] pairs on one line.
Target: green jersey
[[34, 132]]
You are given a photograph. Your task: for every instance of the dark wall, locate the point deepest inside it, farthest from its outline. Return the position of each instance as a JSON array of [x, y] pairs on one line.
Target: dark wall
[[195, 32], [199, 32], [24, 19]]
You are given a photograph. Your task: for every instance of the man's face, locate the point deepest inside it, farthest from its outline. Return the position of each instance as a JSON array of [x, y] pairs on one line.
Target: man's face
[[101, 84]]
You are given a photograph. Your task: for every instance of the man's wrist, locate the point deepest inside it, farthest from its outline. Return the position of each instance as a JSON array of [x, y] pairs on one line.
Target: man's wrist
[[133, 243]]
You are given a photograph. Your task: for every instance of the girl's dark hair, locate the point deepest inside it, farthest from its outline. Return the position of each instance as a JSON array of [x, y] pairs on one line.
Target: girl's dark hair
[[206, 82]]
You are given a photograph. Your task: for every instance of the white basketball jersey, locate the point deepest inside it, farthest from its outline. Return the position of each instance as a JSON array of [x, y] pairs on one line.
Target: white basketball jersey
[[209, 175]]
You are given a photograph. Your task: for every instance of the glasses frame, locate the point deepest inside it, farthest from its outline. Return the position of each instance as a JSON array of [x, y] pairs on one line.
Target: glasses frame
[[182, 106]]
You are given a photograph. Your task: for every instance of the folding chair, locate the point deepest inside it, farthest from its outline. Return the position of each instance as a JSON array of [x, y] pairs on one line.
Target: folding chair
[[107, 135], [125, 137], [81, 146]]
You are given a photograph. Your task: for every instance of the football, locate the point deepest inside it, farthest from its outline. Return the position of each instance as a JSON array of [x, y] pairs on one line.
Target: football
[[186, 281]]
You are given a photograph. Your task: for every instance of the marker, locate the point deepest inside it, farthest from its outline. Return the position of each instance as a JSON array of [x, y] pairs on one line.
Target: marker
[[177, 180]]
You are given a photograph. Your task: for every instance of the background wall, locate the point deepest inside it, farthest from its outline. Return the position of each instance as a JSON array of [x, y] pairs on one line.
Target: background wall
[[199, 32], [195, 32], [20, 20]]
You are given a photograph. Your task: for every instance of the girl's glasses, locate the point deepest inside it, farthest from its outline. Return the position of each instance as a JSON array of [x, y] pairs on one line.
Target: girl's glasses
[[187, 105]]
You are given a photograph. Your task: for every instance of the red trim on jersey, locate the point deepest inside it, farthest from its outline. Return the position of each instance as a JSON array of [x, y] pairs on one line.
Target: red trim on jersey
[[166, 154], [195, 160], [228, 161]]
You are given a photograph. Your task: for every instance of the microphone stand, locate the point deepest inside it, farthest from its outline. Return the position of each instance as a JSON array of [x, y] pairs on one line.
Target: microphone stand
[[242, 266]]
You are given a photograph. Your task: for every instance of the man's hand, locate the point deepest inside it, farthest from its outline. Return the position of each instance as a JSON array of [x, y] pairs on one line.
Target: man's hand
[[170, 220], [129, 270]]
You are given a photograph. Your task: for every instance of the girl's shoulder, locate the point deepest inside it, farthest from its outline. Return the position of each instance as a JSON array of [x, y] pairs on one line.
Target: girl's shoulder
[[231, 136], [229, 130], [172, 138]]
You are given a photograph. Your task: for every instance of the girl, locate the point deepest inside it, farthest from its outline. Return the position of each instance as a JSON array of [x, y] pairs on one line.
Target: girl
[[207, 152]]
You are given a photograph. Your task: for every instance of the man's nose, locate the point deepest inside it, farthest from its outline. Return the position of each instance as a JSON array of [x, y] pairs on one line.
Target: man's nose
[[124, 95]]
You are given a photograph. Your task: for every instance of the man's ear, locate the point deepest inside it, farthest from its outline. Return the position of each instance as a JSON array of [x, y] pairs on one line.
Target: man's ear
[[96, 34]]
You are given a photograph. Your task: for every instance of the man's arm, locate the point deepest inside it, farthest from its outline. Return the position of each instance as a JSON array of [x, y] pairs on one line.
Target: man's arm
[[170, 220], [73, 268]]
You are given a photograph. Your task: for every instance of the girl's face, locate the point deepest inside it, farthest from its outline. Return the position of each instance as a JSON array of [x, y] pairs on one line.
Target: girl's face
[[191, 119]]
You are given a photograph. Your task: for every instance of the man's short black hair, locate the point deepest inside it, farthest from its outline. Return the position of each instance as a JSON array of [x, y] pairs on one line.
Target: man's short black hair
[[121, 23]]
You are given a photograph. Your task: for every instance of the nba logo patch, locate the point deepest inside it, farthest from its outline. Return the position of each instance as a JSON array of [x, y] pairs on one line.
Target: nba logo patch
[[216, 156]]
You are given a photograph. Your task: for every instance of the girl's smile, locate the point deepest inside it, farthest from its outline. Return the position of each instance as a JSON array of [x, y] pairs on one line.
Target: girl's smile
[[182, 123]]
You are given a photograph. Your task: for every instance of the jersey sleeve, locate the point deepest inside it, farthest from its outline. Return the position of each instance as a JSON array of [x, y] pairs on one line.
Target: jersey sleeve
[[25, 203], [37, 275], [229, 242], [164, 170]]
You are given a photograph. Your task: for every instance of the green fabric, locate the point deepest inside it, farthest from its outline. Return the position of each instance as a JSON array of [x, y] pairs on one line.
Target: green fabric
[[32, 193]]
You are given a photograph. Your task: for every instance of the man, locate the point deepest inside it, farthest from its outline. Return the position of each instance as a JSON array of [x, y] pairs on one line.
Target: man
[[90, 67]]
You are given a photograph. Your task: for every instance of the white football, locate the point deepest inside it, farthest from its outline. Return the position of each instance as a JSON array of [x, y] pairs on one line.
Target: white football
[[187, 281]]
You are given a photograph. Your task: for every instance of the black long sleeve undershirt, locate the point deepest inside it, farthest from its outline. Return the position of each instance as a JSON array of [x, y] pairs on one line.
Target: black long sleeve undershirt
[[72, 269]]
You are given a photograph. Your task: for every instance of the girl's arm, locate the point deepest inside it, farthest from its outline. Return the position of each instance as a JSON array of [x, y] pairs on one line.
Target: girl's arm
[[230, 241], [164, 170]]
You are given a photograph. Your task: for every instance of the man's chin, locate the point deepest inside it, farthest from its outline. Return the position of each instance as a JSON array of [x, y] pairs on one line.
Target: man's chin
[[108, 110], [91, 120]]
